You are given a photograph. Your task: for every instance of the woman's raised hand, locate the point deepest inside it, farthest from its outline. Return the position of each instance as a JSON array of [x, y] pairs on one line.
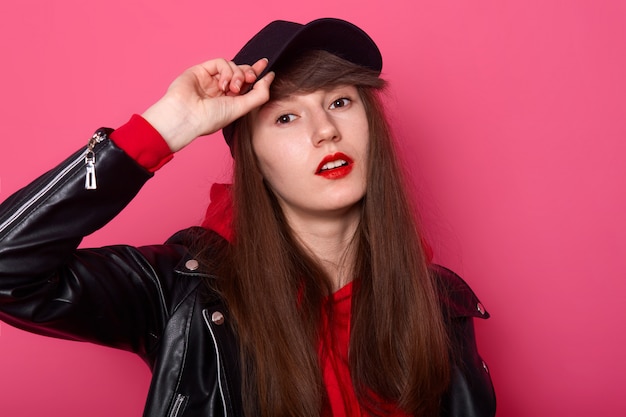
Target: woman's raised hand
[[207, 97]]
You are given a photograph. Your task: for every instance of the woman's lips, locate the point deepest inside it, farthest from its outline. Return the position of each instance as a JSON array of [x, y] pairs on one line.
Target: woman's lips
[[335, 166]]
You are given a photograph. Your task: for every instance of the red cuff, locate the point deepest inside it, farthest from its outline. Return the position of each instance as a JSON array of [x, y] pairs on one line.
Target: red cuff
[[143, 143]]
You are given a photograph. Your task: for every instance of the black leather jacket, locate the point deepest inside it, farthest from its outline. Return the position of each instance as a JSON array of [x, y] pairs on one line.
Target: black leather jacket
[[148, 300]]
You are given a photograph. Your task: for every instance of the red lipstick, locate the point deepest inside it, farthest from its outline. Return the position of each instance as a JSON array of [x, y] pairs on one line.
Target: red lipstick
[[334, 167]]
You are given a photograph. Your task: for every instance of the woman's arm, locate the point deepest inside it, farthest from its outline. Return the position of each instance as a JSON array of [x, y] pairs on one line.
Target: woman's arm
[[109, 295], [46, 285]]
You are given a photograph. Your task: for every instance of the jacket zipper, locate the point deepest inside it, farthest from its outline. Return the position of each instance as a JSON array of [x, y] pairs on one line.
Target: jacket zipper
[[90, 159], [177, 406], [205, 315]]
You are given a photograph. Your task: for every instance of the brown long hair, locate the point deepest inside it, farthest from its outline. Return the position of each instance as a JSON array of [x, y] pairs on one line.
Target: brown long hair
[[275, 290]]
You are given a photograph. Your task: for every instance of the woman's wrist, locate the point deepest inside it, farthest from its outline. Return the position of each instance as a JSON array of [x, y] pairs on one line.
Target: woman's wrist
[[172, 122]]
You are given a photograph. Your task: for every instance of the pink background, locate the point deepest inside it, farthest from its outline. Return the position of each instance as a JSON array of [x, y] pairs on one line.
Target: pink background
[[512, 119]]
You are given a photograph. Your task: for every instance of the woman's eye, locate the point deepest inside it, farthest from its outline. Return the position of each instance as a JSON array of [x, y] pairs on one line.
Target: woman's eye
[[285, 118], [340, 102]]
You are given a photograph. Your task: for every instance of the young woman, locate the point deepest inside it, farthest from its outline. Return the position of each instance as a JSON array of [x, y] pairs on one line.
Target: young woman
[[307, 291]]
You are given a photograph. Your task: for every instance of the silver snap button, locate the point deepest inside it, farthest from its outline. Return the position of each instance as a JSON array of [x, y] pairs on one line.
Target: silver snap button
[[485, 367], [192, 264], [480, 309], [217, 317]]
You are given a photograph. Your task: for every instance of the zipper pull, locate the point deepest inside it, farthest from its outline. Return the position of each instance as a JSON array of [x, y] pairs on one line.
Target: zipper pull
[[90, 178], [90, 159]]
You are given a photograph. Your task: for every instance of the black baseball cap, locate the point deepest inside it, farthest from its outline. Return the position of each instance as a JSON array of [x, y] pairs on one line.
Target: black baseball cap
[[281, 40]]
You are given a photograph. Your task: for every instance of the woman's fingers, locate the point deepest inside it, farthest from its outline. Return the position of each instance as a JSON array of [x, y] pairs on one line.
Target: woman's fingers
[[240, 77], [228, 76], [252, 72], [260, 65], [237, 79], [243, 75], [257, 96]]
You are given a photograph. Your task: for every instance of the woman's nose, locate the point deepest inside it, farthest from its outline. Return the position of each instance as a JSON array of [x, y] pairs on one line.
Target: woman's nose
[[324, 128]]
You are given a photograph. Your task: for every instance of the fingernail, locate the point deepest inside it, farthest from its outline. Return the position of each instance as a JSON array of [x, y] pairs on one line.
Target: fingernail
[[237, 85], [224, 85]]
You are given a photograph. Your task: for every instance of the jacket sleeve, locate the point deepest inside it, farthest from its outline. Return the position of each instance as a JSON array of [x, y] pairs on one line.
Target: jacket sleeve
[[471, 392], [109, 295]]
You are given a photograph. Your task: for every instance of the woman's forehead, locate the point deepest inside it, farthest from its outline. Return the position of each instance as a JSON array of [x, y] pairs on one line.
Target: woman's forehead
[[297, 96]]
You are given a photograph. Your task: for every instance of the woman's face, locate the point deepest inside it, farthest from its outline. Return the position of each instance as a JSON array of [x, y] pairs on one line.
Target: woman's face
[[312, 151]]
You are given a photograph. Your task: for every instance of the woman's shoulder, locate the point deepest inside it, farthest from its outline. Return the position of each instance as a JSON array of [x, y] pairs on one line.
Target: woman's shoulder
[[203, 249], [457, 297]]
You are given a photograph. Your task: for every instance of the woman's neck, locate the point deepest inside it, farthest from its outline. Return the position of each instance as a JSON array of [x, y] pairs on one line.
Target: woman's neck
[[330, 240]]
